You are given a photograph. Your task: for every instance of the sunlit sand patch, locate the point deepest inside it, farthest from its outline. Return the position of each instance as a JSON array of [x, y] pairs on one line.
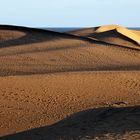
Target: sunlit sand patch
[[122, 30]]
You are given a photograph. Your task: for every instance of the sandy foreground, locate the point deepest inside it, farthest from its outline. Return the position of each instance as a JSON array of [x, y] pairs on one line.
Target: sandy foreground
[[66, 86]]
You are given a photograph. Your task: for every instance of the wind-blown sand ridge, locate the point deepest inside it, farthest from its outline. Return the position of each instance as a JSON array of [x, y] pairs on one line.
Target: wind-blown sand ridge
[[120, 30], [112, 34]]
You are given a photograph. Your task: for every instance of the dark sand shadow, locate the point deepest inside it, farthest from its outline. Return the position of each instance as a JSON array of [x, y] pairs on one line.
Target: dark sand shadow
[[34, 35], [86, 124]]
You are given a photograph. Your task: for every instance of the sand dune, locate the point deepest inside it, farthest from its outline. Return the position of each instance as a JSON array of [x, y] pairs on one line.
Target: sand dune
[[121, 30], [112, 34], [76, 85]]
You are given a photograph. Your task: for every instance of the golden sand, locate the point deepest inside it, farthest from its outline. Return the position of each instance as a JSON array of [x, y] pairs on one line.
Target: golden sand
[[76, 85]]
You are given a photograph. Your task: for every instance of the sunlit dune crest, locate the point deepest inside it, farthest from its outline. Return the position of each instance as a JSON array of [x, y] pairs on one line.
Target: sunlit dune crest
[[122, 30], [105, 28]]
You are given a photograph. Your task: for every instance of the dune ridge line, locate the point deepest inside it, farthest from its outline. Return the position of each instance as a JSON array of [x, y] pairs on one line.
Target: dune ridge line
[[121, 30]]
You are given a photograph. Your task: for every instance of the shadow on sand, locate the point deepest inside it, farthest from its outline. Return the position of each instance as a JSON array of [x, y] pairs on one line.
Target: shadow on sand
[[86, 124], [34, 35]]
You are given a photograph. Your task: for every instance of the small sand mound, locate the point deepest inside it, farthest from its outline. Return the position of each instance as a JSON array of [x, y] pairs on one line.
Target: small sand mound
[[121, 30]]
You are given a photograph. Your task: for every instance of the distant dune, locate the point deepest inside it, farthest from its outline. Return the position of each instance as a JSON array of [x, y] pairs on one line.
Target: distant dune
[[121, 30], [84, 84], [112, 34]]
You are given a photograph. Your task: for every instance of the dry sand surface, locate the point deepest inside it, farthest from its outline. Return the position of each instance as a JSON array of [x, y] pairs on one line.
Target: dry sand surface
[[79, 85]]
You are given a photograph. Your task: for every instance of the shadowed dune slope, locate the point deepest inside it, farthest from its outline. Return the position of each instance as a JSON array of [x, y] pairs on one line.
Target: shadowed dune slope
[[90, 124], [83, 32], [16, 35]]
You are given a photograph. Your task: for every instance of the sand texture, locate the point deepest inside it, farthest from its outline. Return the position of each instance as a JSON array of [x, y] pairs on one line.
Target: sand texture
[[80, 85]]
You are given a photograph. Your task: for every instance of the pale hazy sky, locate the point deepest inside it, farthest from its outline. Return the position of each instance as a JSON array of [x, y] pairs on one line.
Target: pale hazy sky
[[70, 13]]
